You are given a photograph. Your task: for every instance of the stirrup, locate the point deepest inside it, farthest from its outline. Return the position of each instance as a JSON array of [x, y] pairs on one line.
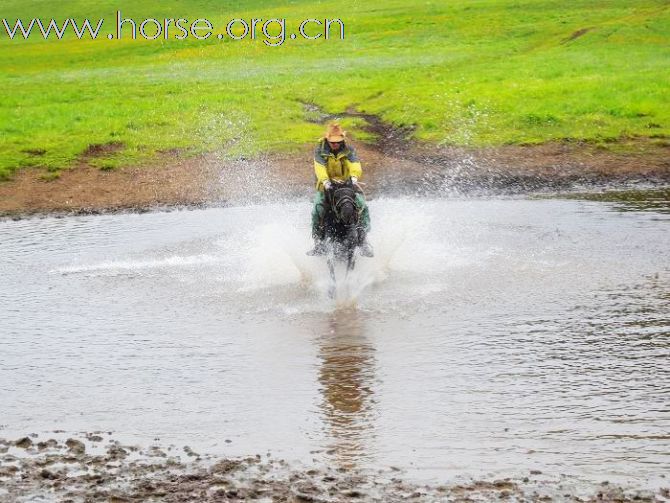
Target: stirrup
[[366, 250]]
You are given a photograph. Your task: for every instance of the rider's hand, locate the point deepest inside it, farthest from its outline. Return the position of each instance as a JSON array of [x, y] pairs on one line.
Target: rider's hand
[[327, 185], [354, 180]]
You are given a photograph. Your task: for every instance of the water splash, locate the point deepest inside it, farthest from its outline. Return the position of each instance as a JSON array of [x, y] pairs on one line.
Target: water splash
[[138, 265], [257, 259], [273, 255]]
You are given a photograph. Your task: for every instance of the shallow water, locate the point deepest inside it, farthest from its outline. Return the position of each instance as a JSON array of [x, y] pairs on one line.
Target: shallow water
[[486, 338]]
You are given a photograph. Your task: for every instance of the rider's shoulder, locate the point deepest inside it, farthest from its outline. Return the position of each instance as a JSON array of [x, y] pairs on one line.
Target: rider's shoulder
[[319, 150], [351, 153]]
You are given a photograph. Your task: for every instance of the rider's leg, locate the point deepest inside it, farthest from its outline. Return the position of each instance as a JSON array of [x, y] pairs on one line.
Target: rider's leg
[[363, 212], [364, 226], [318, 227], [318, 215]]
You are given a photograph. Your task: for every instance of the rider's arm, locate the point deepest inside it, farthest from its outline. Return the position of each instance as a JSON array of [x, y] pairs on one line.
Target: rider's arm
[[320, 168], [353, 164]]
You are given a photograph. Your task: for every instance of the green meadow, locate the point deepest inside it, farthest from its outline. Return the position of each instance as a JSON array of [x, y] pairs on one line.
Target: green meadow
[[468, 72]]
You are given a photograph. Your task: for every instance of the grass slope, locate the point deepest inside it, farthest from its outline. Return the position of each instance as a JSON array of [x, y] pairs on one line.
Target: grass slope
[[481, 72]]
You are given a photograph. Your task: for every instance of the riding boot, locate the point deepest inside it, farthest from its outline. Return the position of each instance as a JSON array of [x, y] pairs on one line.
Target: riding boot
[[364, 246]]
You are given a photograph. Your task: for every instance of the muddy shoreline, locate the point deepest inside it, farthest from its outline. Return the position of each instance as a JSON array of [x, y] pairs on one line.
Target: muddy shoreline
[[96, 467], [397, 167]]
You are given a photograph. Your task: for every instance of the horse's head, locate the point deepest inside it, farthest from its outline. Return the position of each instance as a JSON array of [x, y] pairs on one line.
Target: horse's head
[[348, 213], [344, 205]]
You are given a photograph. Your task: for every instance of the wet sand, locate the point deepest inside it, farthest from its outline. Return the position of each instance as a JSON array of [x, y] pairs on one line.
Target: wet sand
[[397, 166], [96, 467]]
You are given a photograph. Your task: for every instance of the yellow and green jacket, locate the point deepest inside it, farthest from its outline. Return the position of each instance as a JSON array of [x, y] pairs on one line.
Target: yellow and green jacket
[[335, 166]]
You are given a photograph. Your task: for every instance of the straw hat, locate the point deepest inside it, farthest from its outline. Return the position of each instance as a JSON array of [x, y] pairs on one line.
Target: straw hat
[[334, 132]]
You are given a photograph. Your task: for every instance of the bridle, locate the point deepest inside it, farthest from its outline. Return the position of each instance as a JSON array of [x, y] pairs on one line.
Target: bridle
[[337, 202]]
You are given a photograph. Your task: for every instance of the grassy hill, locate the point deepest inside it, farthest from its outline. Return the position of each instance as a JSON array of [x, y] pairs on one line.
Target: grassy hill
[[481, 72]]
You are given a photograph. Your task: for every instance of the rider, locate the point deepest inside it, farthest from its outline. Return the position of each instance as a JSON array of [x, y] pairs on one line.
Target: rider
[[335, 159]]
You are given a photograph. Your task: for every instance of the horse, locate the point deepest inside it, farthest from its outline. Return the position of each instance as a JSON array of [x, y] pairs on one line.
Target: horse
[[341, 223]]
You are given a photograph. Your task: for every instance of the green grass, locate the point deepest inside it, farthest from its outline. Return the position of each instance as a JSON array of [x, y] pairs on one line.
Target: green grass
[[481, 72]]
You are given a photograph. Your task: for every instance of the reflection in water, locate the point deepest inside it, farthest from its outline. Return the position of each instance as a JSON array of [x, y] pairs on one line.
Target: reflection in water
[[346, 377]]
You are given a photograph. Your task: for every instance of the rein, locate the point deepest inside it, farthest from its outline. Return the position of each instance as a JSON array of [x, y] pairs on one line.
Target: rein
[[338, 202]]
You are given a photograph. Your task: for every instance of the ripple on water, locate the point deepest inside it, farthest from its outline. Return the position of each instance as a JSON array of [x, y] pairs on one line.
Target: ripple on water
[[486, 336]]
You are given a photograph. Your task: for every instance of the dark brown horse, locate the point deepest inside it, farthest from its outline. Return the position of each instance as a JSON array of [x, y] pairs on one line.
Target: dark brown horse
[[341, 225]]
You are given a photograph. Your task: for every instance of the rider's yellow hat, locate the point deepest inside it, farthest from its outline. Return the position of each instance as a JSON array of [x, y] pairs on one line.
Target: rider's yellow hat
[[334, 132]]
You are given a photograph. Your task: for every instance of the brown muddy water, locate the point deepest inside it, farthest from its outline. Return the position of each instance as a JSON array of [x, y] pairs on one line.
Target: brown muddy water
[[488, 338]]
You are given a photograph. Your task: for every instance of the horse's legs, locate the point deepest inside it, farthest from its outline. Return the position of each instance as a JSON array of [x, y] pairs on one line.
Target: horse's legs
[[331, 269], [351, 261]]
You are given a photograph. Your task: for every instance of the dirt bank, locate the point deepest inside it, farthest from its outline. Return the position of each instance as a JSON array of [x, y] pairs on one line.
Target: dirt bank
[[95, 467], [392, 165]]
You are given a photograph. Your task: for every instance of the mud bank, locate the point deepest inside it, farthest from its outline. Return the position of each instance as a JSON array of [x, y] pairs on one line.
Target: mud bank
[[392, 166], [96, 467]]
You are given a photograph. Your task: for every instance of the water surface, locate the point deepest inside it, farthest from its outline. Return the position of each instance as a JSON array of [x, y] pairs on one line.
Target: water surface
[[486, 338]]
